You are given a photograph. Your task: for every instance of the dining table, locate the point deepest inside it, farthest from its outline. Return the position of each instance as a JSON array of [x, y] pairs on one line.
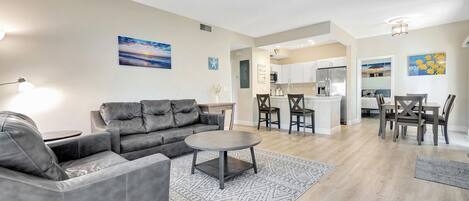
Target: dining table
[[430, 106]]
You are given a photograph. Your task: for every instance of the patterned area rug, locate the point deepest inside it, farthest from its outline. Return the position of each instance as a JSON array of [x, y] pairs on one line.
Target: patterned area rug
[[451, 173], [279, 177]]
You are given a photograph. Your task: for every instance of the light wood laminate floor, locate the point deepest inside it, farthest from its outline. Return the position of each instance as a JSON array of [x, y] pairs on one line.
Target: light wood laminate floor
[[367, 167]]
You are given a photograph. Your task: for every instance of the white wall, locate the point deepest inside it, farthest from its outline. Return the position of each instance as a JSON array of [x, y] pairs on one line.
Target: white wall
[[446, 38], [353, 111], [68, 49], [246, 105]]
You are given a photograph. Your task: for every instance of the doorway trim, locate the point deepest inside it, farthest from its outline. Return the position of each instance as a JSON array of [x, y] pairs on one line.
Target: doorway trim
[[359, 80]]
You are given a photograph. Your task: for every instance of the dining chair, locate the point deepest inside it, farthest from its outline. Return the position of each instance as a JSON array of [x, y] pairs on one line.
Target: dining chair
[[389, 114], [444, 117], [424, 96], [263, 103], [296, 103], [409, 113]]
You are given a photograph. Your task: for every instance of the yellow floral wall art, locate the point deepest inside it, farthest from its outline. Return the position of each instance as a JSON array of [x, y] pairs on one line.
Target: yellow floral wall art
[[427, 64]]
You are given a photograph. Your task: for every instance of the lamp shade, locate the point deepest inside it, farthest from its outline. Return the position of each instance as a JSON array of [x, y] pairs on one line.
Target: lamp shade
[[25, 86]]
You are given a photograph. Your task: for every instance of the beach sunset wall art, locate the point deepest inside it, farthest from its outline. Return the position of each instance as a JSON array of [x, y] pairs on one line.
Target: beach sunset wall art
[[136, 52]]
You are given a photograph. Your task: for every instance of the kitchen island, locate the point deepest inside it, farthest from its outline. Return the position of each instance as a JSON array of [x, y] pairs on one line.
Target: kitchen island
[[327, 112]]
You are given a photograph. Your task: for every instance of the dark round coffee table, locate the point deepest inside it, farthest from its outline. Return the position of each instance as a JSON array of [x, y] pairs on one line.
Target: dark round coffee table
[[223, 167]]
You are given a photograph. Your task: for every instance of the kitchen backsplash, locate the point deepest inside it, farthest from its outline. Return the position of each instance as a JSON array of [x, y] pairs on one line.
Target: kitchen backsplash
[[308, 89]]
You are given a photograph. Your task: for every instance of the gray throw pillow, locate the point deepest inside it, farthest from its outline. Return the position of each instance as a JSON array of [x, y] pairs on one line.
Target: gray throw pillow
[[157, 115], [22, 148], [186, 112], [127, 117]]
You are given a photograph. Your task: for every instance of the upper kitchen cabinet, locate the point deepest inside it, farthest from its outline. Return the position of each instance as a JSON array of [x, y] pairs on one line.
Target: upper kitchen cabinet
[[332, 62], [275, 68], [296, 73], [309, 72], [284, 74]]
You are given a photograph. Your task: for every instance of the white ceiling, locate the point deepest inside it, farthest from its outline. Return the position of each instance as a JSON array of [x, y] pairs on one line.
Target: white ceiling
[[361, 18]]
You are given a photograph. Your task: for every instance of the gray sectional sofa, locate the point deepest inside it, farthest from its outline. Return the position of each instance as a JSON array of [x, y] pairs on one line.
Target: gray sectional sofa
[[147, 127], [81, 168]]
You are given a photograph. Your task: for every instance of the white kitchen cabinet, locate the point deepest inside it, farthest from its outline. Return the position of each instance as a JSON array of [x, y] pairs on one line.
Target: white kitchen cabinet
[[340, 61], [332, 62], [285, 74], [309, 72], [304, 72], [275, 68], [296, 73]]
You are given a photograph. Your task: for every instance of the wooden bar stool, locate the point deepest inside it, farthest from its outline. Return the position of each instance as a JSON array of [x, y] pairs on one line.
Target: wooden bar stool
[[297, 108], [263, 103]]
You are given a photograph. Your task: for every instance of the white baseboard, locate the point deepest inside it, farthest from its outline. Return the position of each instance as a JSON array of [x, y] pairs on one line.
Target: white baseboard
[[244, 123], [325, 131], [354, 121], [459, 129]]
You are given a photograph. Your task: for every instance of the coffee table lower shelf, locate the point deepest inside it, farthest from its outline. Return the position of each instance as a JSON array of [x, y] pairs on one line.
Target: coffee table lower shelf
[[232, 167]]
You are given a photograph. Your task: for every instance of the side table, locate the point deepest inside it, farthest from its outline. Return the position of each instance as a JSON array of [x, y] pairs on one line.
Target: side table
[[59, 135]]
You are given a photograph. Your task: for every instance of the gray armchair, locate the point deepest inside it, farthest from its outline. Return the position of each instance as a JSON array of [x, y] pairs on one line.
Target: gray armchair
[[76, 169]]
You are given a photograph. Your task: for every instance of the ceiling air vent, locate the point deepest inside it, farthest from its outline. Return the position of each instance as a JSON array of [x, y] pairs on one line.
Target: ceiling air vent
[[205, 27]]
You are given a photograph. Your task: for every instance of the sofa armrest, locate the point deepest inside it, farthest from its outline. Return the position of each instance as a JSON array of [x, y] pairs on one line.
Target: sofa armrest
[[98, 125], [144, 179], [81, 146], [213, 119]]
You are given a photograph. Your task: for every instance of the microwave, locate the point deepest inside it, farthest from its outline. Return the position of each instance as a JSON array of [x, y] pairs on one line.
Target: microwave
[[273, 77]]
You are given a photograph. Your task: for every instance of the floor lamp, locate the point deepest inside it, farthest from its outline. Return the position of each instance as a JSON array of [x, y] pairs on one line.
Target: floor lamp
[[23, 85]]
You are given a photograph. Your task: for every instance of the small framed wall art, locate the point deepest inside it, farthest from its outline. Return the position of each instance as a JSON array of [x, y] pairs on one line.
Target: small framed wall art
[[213, 63]]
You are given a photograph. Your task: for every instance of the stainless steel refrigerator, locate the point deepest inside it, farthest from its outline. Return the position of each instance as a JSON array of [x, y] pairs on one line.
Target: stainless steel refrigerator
[[332, 81]]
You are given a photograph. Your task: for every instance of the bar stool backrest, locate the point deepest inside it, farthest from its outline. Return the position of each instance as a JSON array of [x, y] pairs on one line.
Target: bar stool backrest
[[263, 101], [296, 102]]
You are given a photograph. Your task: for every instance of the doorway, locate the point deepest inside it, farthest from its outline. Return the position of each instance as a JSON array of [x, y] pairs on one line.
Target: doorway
[[375, 77]]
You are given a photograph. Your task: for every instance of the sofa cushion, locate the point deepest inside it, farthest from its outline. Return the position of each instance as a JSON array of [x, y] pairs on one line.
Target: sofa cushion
[[174, 135], [185, 112], [127, 117], [198, 128], [23, 150], [93, 163], [157, 115], [140, 141]]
